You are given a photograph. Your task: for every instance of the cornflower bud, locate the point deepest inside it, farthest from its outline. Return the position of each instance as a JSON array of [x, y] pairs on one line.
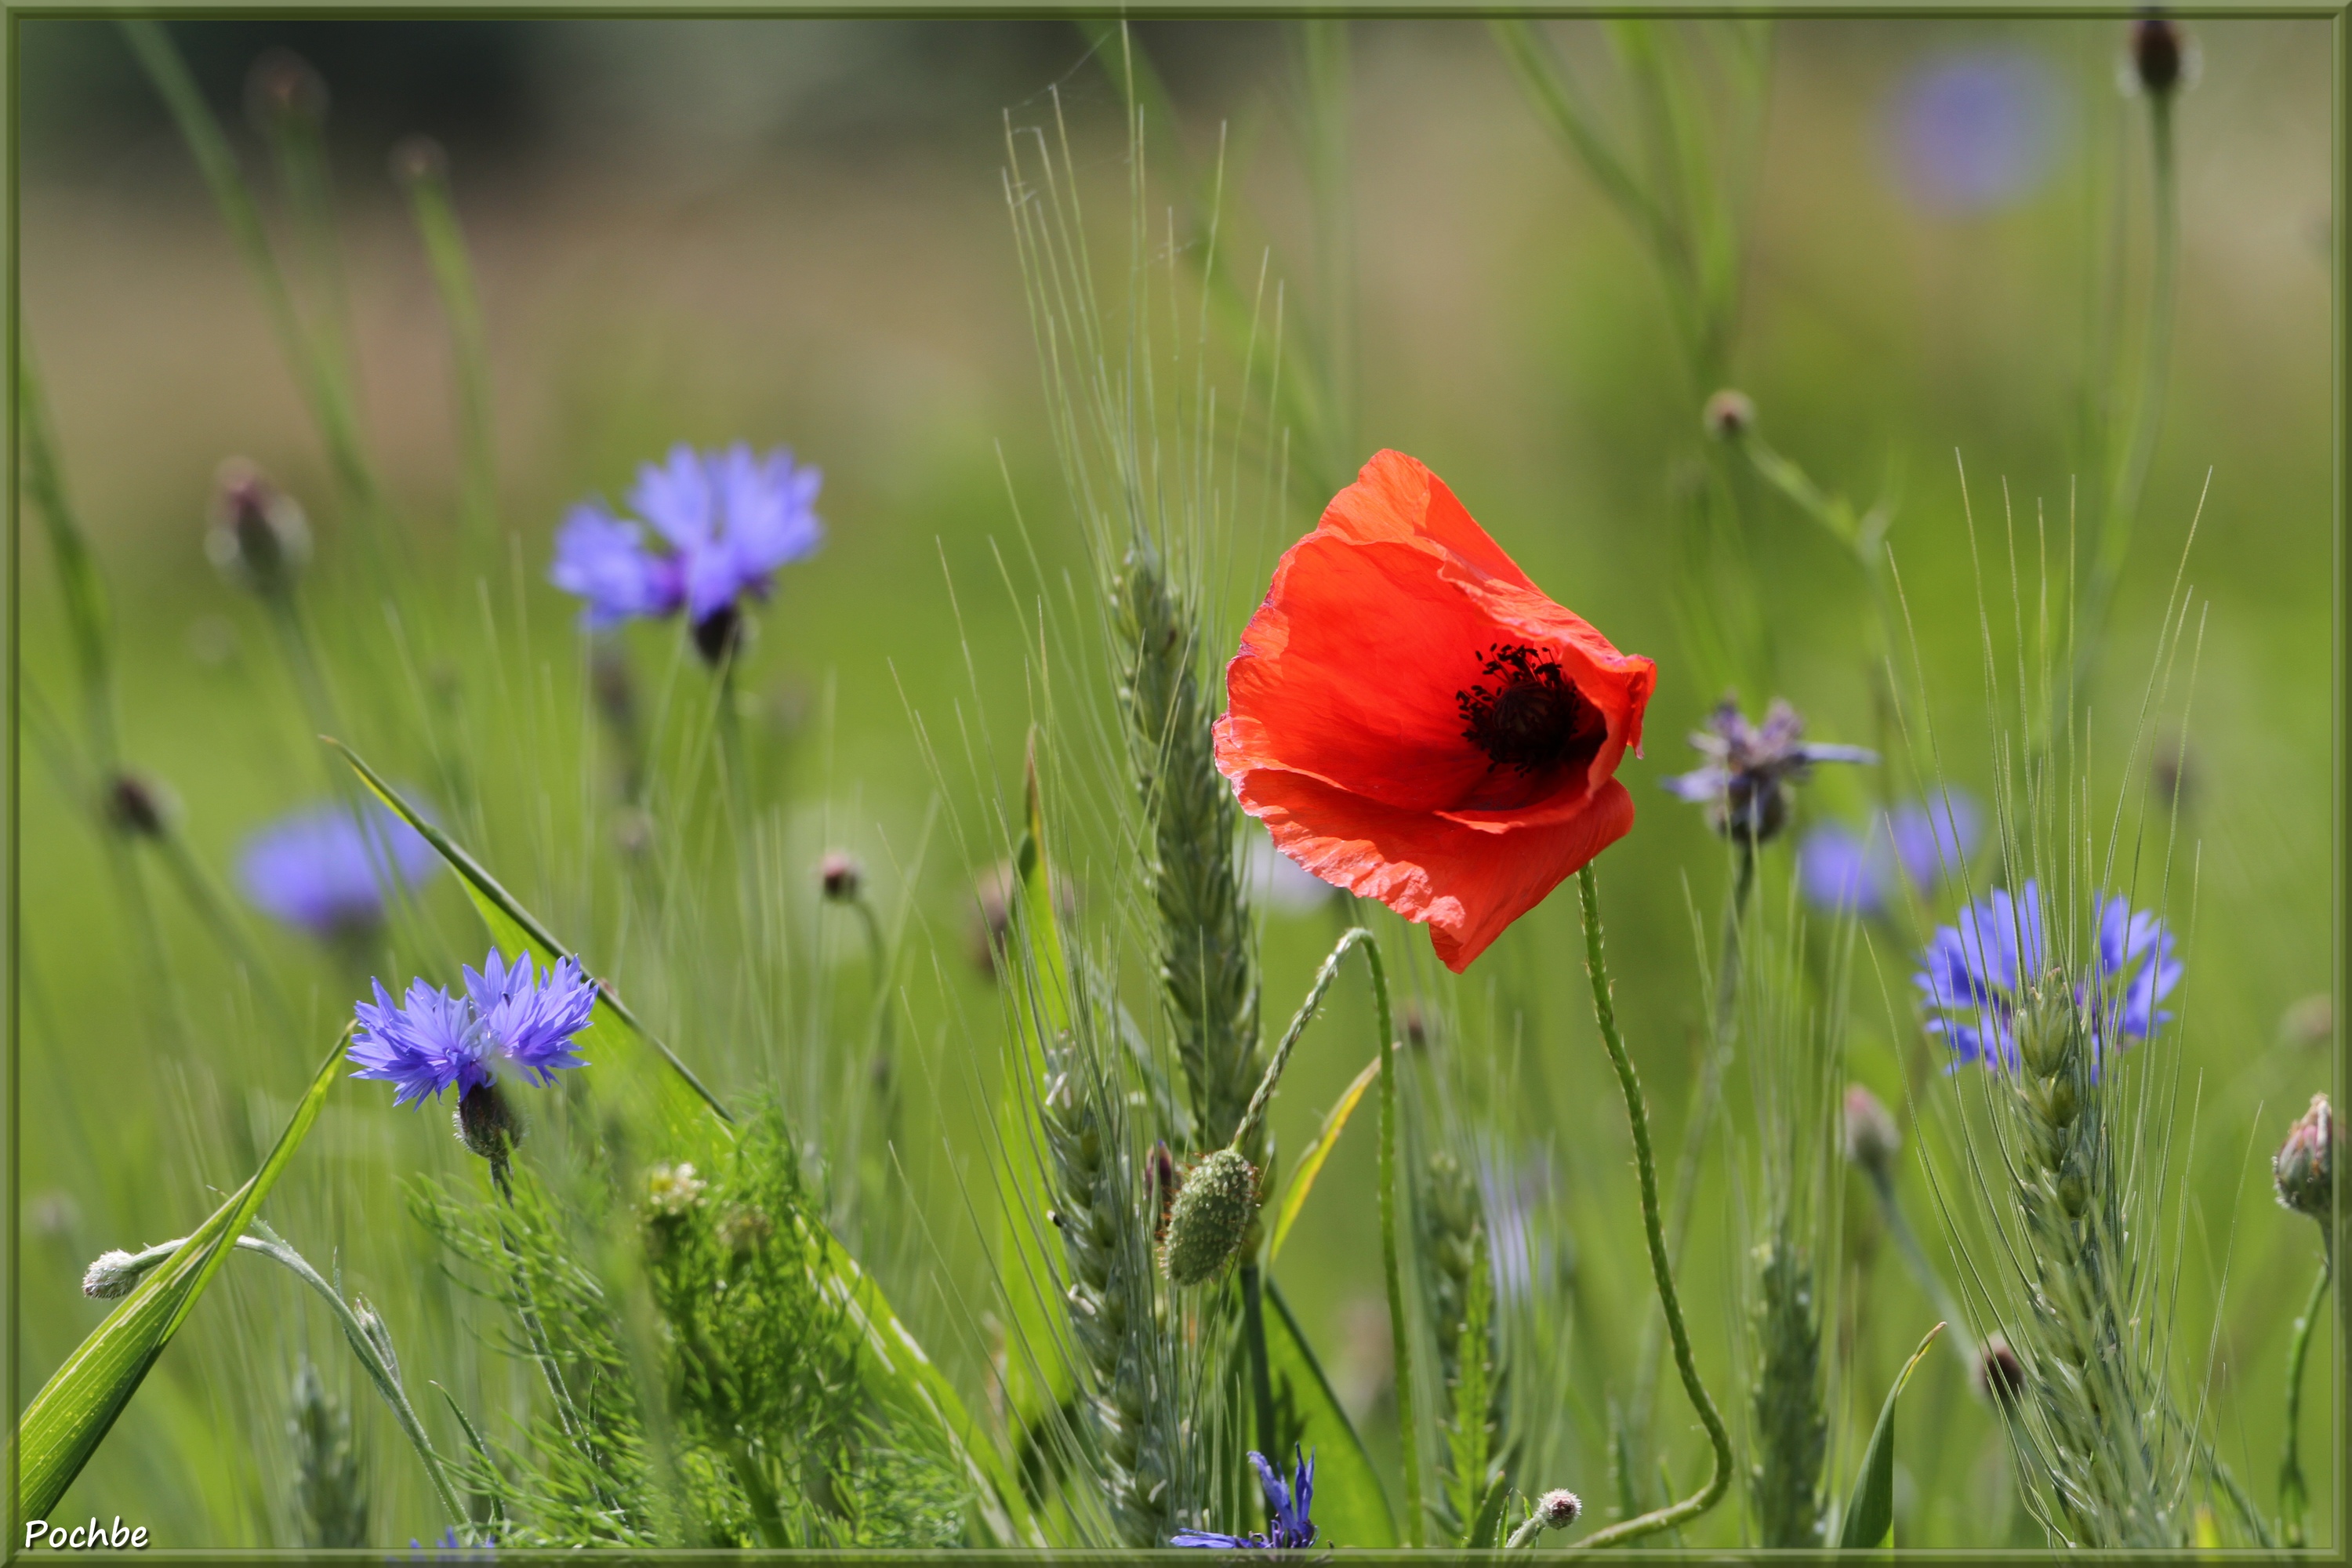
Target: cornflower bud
[[2000, 1375], [138, 806], [2158, 51], [1872, 1139], [1210, 1219], [840, 875], [1729, 415], [283, 88], [259, 535], [118, 1273], [416, 159], [2303, 1169], [1554, 1511]]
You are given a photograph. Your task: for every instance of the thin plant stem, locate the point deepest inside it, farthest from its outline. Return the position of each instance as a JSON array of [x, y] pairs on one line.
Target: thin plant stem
[[1392, 1265], [1704, 1102], [2130, 477], [2291, 1495], [1604, 1012]]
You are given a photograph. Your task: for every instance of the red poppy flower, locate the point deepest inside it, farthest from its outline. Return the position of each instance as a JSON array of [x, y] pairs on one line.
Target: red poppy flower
[[1415, 721]]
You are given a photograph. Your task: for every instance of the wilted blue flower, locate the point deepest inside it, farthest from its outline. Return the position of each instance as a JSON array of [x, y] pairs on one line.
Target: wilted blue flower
[[1976, 131], [1974, 974], [1920, 842], [431, 1040], [723, 522], [1289, 1526], [326, 868], [1749, 767]]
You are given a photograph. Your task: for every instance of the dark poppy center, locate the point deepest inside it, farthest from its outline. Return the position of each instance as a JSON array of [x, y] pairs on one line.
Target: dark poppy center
[[1527, 716]]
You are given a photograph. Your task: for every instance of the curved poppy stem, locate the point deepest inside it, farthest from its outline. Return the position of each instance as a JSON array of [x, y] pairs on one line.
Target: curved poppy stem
[[1604, 1012], [2291, 1483]]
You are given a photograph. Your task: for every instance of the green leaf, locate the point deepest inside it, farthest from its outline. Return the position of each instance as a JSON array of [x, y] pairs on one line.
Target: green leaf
[[1488, 1527], [1302, 1180], [1351, 1508], [906, 1383], [74, 1411], [514, 930], [1869, 1516]]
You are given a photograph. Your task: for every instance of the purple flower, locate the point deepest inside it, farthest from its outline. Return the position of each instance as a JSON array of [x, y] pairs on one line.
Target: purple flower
[[1975, 974], [1288, 1527], [326, 868], [1921, 842], [721, 523], [1976, 131], [1745, 783], [433, 1041]]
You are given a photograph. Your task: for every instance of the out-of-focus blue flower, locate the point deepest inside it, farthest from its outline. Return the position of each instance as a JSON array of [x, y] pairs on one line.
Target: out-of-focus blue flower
[[1289, 1526], [1974, 974], [1922, 842], [326, 868], [1976, 130], [1749, 767], [721, 523], [431, 1040]]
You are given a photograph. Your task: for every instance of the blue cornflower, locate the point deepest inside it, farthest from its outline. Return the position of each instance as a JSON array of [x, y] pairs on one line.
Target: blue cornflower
[[722, 523], [1921, 842], [1288, 1527], [431, 1040], [1749, 767], [326, 868], [1975, 974], [1977, 131]]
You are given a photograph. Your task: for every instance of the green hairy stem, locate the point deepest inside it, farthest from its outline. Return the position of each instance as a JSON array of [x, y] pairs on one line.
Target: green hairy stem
[[1604, 1011]]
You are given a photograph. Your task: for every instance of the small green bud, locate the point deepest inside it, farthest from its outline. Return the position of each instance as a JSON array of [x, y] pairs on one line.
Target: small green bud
[[1210, 1219], [2073, 1194], [490, 1126]]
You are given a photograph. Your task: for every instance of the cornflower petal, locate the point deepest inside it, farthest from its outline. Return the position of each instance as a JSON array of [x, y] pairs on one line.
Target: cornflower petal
[[603, 559]]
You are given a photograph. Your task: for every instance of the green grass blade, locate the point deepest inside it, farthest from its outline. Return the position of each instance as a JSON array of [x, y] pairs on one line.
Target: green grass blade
[[75, 1410], [1870, 1515], [514, 929], [1035, 1384], [1351, 1507], [1302, 1180], [904, 1381]]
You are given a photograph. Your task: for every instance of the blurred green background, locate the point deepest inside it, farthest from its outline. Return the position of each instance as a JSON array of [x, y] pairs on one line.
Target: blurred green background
[[794, 232]]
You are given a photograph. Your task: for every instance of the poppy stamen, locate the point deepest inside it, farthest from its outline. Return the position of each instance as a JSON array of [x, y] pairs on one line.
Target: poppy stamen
[[1534, 719]]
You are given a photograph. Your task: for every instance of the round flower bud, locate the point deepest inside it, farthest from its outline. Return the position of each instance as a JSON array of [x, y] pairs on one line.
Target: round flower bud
[[1558, 1510], [840, 875], [284, 88], [259, 536], [415, 159], [138, 806], [118, 1273], [2157, 50], [488, 1125], [2303, 1169], [1729, 415], [1210, 1219], [1872, 1139], [2000, 1375]]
